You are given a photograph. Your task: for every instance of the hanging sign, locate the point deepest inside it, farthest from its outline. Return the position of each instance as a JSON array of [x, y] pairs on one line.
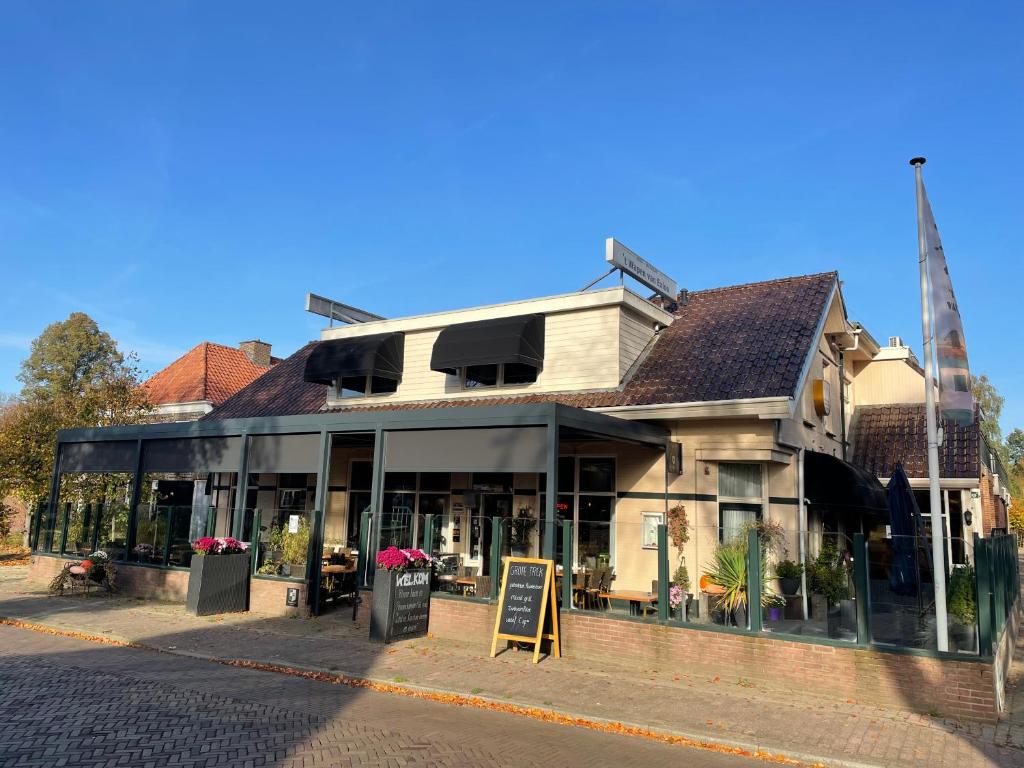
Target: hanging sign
[[641, 270], [527, 605]]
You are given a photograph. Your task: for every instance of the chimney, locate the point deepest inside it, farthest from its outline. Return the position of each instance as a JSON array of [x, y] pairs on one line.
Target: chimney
[[257, 351]]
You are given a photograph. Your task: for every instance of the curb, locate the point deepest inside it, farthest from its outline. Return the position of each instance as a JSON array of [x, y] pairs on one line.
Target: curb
[[758, 751]]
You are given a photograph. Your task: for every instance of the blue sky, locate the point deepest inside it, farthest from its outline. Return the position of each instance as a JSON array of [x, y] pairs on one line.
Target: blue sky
[[187, 171]]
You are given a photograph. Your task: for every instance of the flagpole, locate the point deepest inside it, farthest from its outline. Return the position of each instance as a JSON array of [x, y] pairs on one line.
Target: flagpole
[[934, 495]]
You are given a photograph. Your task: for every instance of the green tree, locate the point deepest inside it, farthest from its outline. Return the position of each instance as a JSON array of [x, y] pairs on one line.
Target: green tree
[[1015, 446], [73, 377], [991, 402]]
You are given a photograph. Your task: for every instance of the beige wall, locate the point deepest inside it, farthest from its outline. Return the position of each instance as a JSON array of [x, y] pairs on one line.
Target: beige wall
[[887, 381]]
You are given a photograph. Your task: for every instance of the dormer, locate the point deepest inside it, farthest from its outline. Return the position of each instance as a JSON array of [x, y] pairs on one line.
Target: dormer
[[576, 342]]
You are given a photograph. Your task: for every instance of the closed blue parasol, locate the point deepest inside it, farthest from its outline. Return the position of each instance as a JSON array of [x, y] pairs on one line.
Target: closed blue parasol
[[903, 513]]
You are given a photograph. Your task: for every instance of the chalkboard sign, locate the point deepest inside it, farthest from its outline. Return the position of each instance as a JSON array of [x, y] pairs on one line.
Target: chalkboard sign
[[401, 605], [527, 605]]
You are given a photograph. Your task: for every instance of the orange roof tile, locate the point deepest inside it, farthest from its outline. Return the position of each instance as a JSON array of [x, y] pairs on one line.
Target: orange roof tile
[[208, 371]]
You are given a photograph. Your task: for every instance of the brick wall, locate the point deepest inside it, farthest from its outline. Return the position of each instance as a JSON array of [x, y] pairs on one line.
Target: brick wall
[[993, 510], [266, 596], [961, 689]]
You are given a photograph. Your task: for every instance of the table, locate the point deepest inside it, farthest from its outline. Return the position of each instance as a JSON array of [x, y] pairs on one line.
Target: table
[[635, 597], [465, 584], [337, 581]]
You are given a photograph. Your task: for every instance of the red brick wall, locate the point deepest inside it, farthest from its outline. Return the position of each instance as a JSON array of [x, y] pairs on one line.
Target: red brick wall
[[993, 510], [955, 688], [266, 596]]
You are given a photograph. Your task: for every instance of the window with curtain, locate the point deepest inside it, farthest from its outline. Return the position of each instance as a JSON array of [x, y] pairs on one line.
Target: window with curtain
[[740, 498]]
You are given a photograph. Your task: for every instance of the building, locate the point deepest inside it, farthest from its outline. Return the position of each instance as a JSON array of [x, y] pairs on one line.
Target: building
[[572, 428], [603, 408], [204, 377]]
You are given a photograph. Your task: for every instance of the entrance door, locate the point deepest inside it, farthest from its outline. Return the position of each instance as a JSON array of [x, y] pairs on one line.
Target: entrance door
[[491, 509]]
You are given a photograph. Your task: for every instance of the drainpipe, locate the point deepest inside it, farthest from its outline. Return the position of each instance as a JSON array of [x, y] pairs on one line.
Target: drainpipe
[[856, 332], [802, 533]]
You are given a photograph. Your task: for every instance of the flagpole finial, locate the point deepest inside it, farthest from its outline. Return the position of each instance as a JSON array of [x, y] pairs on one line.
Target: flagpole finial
[[915, 161]]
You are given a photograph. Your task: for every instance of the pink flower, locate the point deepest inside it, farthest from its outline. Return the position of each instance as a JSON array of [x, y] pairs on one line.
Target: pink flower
[[207, 545]]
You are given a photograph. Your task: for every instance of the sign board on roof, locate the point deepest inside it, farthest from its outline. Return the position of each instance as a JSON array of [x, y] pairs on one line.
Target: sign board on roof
[[641, 270]]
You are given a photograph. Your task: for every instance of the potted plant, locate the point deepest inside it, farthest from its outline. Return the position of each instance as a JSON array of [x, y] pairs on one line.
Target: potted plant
[[218, 580], [729, 573], [405, 573], [828, 578], [679, 533], [962, 606], [681, 582], [520, 532], [286, 552], [788, 572]]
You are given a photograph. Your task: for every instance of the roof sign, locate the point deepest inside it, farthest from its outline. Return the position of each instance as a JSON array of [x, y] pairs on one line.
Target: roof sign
[[641, 270]]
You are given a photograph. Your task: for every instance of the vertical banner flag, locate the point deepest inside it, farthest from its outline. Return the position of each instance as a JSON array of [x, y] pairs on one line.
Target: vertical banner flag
[[955, 400]]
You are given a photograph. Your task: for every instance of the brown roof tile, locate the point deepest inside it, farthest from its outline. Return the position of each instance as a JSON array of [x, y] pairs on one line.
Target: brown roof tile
[[208, 371], [744, 341], [882, 435]]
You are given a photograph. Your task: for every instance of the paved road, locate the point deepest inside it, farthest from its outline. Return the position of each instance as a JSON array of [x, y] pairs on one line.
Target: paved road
[[65, 702]]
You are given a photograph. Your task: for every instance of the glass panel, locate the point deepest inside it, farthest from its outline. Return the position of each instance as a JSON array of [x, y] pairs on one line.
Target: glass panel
[[815, 594], [382, 386], [493, 482], [352, 386], [481, 376], [518, 373], [283, 548], [594, 531], [114, 531], [150, 535], [597, 475], [432, 504], [435, 481], [362, 476], [400, 481], [180, 531], [734, 518], [63, 510], [79, 540], [358, 502], [742, 481]]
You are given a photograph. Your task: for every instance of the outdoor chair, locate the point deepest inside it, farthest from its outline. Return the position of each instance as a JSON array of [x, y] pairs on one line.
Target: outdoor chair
[[482, 587], [596, 587], [579, 588]]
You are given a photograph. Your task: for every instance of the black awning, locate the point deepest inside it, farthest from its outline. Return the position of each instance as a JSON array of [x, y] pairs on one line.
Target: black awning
[[517, 339], [832, 482], [377, 355]]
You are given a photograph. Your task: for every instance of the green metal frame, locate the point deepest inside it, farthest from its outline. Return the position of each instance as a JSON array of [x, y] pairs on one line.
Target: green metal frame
[[754, 616], [862, 589], [663, 583]]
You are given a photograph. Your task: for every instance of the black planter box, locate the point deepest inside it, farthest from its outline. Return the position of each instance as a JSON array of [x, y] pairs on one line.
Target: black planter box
[[401, 604], [218, 584]]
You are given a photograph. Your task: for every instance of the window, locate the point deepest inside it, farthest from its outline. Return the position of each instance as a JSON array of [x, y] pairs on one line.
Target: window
[[495, 375], [587, 497], [597, 475], [363, 386], [740, 498]]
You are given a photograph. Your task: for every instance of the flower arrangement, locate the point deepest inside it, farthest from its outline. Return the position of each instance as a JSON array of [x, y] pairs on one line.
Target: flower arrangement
[[208, 545], [99, 557], [395, 559], [143, 549], [676, 595]]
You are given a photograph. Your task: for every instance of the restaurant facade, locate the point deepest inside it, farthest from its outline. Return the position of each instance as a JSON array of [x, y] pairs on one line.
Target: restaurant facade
[[576, 428]]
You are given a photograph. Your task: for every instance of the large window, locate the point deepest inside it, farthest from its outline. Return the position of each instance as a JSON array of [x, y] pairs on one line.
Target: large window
[[498, 375], [586, 495], [740, 497]]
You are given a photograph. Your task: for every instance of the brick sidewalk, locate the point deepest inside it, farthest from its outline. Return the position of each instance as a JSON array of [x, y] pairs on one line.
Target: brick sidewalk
[[729, 711]]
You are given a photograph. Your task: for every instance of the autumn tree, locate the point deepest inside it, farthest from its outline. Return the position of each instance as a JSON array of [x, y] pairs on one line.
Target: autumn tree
[[74, 376]]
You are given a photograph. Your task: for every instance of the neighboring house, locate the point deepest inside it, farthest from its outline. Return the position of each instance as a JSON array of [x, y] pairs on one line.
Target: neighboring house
[[204, 377], [975, 498]]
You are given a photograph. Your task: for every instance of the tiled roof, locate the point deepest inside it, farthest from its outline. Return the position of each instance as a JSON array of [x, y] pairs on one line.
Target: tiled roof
[[208, 371], [744, 341], [881, 435], [281, 391]]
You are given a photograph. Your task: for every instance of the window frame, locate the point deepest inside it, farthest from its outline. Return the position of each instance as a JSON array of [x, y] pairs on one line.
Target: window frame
[[367, 388], [499, 380], [759, 501]]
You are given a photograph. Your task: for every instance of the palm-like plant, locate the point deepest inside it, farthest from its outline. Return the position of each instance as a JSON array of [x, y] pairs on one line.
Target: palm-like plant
[[729, 571]]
